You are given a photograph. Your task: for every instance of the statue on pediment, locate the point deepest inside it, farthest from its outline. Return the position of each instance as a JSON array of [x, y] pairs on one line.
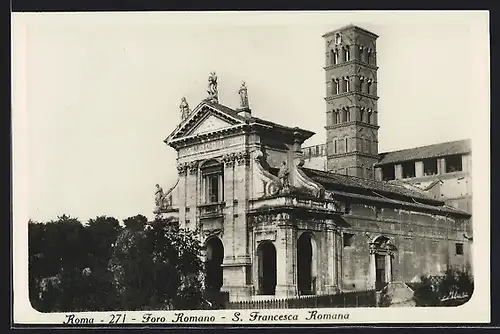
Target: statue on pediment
[[243, 96], [213, 93], [159, 197], [184, 107], [283, 175]]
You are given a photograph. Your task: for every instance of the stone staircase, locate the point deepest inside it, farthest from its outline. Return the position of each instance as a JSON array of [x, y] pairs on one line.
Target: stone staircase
[[400, 293]]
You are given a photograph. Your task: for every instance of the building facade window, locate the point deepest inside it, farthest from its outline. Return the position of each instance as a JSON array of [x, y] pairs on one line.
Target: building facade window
[[347, 84], [347, 54], [347, 145], [430, 166], [388, 173], [335, 87], [335, 151], [369, 117], [335, 57], [347, 239], [347, 115], [453, 163], [337, 117], [213, 179], [408, 169], [459, 248]]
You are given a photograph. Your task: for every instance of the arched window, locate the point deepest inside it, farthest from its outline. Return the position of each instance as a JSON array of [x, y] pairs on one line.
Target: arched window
[[369, 86], [335, 86], [347, 84], [362, 115], [369, 120], [346, 144], [335, 150], [334, 57], [347, 54], [347, 115], [337, 117]]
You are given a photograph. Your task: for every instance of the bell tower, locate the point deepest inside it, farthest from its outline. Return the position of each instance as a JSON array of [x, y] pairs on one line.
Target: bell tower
[[351, 101]]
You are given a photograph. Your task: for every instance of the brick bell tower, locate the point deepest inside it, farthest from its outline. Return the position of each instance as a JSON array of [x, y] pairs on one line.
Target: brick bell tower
[[351, 101]]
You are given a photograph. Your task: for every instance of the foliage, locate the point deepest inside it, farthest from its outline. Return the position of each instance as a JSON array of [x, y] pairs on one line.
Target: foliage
[[101, 266], [157, 267], [454, 288], [385, 299]]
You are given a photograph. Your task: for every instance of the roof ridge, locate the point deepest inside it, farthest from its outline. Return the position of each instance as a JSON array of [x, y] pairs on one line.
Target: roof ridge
[[428, 145]]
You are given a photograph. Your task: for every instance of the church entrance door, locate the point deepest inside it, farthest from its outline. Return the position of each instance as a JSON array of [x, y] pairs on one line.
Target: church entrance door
[[213, 265]]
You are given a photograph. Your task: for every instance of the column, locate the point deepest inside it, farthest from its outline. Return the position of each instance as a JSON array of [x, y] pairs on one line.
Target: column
[[419, 168], [331, 285], [372, 272], [388, 264], [441, 164], [286, 259], [398, 172], [465, 162]]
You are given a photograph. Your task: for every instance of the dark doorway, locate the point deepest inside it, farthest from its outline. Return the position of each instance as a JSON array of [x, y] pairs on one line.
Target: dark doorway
[[267, 268], [305, 265], [215, 256], [380, 280]]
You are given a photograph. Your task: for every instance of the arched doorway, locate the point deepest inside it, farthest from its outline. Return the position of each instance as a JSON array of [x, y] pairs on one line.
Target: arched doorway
[[306, 264], [382, 254], [267, 268], [213, 264]]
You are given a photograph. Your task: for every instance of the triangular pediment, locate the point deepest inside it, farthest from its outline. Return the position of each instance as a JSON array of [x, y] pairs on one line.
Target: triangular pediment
[[209, 123], [206, 118]]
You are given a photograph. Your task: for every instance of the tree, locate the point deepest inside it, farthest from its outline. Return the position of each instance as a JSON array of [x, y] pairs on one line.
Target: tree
[[158, 267], [452, 289]]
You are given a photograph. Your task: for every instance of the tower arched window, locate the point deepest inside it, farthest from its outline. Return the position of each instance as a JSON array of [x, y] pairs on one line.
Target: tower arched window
[[362, 115], [369, 86], [335, 149], [347, 84], [369, 118], [347, 53], [335, 86], [337, 117], [347, 115], [334, 57], [346, 144]]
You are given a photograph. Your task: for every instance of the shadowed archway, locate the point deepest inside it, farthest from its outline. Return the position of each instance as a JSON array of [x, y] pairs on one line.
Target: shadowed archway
[[213, 264], [267, 268]]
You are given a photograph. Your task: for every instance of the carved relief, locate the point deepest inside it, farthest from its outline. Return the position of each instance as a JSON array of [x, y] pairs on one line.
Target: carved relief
[[181, 168], [193, 167]]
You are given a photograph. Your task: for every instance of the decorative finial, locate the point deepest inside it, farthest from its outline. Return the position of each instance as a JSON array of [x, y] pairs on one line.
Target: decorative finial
[[243, 96], [184, 107], [213, 93]]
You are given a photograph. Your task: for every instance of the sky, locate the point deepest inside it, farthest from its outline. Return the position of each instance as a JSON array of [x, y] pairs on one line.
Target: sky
[[95, 94]]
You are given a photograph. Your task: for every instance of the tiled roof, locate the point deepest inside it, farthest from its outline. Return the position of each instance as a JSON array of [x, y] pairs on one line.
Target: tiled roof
[[429, 151], [257, 120], [334, 181]]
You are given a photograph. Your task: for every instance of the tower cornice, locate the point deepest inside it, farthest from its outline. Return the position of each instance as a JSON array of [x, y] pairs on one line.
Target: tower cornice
[[344, 124], [350, 62], [336, 96]]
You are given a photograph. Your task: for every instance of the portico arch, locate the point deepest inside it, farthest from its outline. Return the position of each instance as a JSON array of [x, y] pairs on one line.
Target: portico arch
[[266, 258], [213, 264], [306, 264]]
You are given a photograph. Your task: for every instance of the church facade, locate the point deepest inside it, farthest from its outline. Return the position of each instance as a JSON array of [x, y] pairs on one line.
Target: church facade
[[280, 220]]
